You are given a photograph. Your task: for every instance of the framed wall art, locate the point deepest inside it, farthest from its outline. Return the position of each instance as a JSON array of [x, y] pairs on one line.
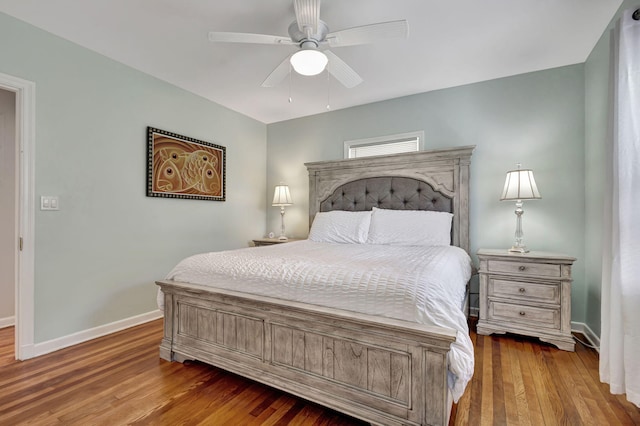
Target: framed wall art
[[182, 167]]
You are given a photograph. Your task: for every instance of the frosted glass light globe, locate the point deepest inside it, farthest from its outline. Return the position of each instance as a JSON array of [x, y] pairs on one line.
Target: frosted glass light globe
[[309, 62]]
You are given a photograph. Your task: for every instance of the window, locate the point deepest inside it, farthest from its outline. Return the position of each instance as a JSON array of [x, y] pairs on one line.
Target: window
[[384, 145]]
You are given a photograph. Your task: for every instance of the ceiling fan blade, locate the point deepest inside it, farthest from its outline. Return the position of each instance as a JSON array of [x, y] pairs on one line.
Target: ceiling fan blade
[[278, 74], [369, 33], [341, 71], [248, 38], [307, 15]]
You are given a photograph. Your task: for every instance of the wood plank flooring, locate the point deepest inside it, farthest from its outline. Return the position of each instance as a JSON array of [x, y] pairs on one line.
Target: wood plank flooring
[[119, 379], [521, 381]]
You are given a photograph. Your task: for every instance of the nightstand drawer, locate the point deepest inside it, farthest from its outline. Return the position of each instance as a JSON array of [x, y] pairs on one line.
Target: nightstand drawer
[[529, 315], [524, 268], [546, 293]]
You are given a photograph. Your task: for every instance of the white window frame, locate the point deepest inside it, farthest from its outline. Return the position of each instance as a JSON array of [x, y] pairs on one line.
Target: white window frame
[[382, 140]]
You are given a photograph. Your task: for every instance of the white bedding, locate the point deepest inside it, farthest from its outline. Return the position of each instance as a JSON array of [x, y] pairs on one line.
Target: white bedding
[[420, 284]]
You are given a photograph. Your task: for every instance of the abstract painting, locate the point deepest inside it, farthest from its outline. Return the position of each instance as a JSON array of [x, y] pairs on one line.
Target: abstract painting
[[183, 167]]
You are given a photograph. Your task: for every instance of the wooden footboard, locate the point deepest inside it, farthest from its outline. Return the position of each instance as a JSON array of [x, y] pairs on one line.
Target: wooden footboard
[[381, 370]]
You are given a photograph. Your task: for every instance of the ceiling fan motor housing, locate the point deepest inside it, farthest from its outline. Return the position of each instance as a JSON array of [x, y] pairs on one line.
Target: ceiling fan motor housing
[[302, 37]]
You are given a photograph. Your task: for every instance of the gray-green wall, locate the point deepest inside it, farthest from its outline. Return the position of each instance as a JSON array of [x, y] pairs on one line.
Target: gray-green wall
[[537, 119], [554, 121], [597, 160], [97, 258]]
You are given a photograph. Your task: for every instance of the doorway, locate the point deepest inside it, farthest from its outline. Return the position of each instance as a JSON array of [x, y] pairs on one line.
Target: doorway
[[8, 208], [21, 251]]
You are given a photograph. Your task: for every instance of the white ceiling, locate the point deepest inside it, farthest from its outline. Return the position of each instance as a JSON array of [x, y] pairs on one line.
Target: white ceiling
[[450, 43]]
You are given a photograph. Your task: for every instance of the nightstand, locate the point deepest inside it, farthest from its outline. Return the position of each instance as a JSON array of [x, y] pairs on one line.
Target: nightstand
[[528, 293], [271, 241]]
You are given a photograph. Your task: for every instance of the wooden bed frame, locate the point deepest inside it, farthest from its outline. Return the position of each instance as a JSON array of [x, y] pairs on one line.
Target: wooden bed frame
[[381, 370]]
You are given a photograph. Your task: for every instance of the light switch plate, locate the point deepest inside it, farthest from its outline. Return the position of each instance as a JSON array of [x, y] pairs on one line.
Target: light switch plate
[[49, 202]]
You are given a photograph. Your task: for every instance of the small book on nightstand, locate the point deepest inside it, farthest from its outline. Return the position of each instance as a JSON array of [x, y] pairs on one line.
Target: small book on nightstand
[[271, 241]]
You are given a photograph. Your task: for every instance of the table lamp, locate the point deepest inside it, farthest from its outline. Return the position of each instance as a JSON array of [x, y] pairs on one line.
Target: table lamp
[[519, 185], [282, 198]]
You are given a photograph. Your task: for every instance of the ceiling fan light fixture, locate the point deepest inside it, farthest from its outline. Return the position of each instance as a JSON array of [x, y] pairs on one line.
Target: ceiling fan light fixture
[[309, 62]]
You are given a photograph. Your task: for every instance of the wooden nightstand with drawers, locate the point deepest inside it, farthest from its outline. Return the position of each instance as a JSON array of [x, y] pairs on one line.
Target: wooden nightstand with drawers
[[527, 294]]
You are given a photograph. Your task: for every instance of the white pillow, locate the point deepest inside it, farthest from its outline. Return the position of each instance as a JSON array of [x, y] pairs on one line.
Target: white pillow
[[410, 228], [340, 226]]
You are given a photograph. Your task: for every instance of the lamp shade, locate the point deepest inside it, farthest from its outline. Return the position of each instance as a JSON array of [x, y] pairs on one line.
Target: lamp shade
[[282, 196], [309, 62], [520, 185]]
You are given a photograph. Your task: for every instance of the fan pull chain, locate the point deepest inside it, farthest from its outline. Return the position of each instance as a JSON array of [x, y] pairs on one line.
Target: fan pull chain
[[328, 89], [290, 77]]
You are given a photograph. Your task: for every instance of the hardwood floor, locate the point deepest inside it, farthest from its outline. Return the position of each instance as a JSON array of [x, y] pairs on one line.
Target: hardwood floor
[[119, 379], [521, 381]]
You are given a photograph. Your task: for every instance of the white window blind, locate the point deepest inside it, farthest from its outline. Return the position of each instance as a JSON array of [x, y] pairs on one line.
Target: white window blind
[[385, 145]]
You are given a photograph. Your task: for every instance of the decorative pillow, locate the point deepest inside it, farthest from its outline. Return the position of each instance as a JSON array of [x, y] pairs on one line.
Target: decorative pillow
[[340, 226], [410, 227]]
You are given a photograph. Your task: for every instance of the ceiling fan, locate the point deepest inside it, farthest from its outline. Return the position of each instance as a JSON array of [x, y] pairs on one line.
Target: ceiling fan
[[313, 38]]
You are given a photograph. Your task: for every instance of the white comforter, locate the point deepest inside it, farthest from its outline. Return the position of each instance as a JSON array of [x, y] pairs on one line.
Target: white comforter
[[419, 284]]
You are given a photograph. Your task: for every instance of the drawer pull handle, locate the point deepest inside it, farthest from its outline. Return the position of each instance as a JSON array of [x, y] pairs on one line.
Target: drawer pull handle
[[522, 268], [522, 290], [522, 313]]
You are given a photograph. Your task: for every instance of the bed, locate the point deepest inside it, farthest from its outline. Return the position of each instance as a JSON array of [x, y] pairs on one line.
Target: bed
[[374, 363]]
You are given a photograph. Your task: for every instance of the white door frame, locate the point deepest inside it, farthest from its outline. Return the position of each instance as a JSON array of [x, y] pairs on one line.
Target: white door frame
[[25, 211]]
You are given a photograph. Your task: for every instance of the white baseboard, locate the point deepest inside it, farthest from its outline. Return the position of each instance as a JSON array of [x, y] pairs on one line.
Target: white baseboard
[[7, 322], [92, 333], [592, 338]]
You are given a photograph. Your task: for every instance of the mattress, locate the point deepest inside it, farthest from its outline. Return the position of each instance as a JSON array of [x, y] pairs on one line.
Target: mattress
[[423, 284]]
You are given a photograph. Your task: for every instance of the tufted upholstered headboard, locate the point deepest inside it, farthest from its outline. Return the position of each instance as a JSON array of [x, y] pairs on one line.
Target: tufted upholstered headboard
[[388, 192], [426, 180]]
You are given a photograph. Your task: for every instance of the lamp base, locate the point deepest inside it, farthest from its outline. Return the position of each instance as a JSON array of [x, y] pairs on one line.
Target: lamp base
[[282, 236], [521, 249]]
